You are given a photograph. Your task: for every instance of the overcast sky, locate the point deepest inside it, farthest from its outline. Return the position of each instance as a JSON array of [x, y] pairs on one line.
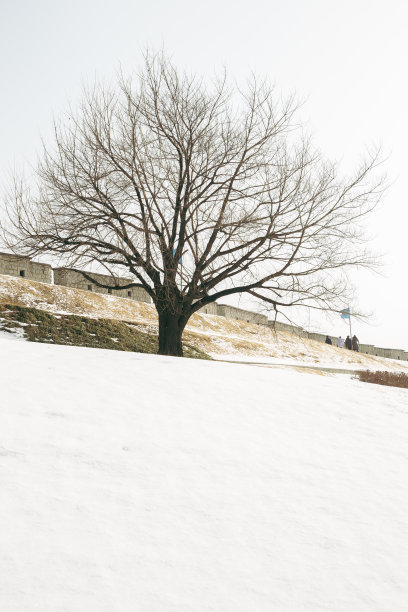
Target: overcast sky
[[347, 61]]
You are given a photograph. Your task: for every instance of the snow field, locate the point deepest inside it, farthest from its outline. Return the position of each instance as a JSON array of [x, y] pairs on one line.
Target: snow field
[[137, 482]]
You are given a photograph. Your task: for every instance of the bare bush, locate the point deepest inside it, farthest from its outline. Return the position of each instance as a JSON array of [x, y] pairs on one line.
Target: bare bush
[[391, 379]]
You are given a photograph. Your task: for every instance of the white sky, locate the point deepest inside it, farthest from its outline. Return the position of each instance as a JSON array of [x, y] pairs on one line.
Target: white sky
[[347, 60]]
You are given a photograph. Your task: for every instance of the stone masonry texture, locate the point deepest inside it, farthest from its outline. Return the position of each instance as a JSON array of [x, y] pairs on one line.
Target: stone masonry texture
[[24, 267], [71, 278]]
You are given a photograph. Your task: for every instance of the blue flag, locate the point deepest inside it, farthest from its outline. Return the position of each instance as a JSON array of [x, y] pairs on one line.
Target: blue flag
[[345, 314]]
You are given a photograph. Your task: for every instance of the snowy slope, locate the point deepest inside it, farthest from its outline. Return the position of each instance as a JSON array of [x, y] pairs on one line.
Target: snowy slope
[[219, 337], [136, 482]]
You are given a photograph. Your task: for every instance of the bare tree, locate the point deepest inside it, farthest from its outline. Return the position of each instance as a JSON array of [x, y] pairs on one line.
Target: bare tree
[[199, 192]]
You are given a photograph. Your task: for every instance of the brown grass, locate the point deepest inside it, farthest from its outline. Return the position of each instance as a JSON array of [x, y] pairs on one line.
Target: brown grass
[[40, 326], [391, 379], [209, 333]]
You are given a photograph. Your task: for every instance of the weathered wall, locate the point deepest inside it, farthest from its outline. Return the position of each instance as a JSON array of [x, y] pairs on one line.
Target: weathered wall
[[211, 308], [394, 354], [232, 312], [377, 351], [286, 327], [71, 278], [24, 267], [368, 349], [316, 336]]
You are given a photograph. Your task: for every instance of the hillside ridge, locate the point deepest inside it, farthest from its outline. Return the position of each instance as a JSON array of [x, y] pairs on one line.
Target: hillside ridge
[[214, 335]]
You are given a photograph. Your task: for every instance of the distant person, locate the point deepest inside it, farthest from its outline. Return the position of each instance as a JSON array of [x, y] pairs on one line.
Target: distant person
[[355, 343], [348, 343], [328, 340], [340, 342]]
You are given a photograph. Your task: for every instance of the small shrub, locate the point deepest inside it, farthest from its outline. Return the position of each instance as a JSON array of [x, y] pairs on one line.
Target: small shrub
[[391, 379]]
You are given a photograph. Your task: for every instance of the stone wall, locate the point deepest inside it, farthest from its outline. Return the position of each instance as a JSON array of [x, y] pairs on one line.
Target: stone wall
[[24, 267], [370, 349], [286, 327], [395, 354], [232, 312], [211, 308], [71, 278]]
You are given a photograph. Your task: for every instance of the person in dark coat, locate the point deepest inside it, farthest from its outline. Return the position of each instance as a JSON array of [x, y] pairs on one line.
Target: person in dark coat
[[328, 340], [355, 343], [348, 343]]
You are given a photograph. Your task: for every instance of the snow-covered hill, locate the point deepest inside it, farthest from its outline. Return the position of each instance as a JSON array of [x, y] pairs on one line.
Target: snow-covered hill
[[137, 482], [219, 337]]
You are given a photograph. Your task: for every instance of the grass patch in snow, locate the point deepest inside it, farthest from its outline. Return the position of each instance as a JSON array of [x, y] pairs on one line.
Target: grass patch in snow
[[40, 326]]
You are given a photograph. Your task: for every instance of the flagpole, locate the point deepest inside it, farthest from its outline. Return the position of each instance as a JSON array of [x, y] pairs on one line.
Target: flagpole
[[346, 314]]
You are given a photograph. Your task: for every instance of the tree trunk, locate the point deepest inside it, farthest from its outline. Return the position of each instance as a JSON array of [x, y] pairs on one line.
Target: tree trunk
[[171, 328]]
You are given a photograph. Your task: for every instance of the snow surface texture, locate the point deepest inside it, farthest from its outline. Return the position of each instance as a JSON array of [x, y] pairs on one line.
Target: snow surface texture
[[217, 336], [137, 482]]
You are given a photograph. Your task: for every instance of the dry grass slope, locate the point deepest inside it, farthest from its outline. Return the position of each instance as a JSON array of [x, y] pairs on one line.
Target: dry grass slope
[[39, 326], [213, 335]]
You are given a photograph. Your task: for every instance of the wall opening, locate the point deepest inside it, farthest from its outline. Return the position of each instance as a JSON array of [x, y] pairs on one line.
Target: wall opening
[[110, 291], [129, 294], [89, 287], [22, 273]]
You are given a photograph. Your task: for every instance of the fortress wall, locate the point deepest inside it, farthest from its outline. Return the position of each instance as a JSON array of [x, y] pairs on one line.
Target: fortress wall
[[317, 337], [232, 312], [395, 354], [211, 308], [368, 349], [71, 278], [24, 267], [286, 327]]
